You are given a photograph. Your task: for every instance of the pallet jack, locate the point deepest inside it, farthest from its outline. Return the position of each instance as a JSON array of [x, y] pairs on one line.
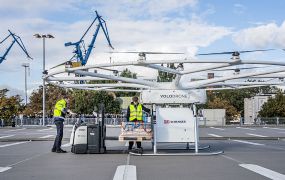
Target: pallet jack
[[89, 138]]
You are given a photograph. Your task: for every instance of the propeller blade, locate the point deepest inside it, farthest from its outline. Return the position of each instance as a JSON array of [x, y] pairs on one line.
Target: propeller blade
[[216, 53], [257, 50], [232, 52], [146, 52], [232, 69]]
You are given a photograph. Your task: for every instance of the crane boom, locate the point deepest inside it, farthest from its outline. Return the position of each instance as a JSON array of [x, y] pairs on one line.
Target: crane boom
[[17, 40], [83, 56]]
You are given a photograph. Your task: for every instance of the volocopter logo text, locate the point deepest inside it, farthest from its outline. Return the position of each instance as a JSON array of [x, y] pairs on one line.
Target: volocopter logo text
[[173, 96]]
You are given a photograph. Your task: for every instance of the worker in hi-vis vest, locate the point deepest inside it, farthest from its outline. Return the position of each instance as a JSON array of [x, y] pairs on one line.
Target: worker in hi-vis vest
[[135, 114], [59, 113]]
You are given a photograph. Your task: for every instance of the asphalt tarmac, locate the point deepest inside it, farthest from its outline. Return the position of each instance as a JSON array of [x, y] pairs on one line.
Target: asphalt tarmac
[[249, 153]]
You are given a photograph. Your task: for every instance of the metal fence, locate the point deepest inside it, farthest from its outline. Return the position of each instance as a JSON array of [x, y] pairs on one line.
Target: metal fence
[[118, 119], [26, 121], [270, 121]]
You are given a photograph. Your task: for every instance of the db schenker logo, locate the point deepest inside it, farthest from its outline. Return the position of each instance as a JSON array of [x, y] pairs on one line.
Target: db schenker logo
[[174, 122]]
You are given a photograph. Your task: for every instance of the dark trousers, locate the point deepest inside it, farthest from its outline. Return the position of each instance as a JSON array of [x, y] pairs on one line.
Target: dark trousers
[[59, 135], [131, 143]]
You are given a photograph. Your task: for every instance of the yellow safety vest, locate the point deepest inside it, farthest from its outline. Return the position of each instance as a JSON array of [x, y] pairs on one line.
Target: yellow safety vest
[[136, 113], [59, 106]]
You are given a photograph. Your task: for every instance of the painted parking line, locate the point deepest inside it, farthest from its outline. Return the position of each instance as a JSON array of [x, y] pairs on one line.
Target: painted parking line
[[1, 137], [221, 129], [3, 169], [66, 145], [16, 130], [246, 128], [215, 135], [257, 135], [12, 144], [247, 142], [47, 136], [125, 172], [45, 129], [274, 128], [263, 171]]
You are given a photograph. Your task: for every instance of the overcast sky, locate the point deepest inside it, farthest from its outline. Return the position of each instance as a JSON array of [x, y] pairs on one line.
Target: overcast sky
[[190, 26]]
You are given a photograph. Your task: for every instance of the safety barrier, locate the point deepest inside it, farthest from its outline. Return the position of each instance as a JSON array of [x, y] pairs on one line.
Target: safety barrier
[[68, 121], [118, 119]]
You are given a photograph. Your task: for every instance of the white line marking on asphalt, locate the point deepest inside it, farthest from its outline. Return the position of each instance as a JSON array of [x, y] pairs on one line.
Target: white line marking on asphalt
[[2, 169], [16, 130], [230, 158], [45, 129], [27, 159], [217, 128], [12, 144], [247, 142], [126, 172], [263, 171], [246, 128], [1, 137], [215, 135], [257, 135], [47, 136], [66, 145], [274, 128]]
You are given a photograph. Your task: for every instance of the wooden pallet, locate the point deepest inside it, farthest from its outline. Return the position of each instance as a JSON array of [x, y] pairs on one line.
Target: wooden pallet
[[135, 137], [135, 134]]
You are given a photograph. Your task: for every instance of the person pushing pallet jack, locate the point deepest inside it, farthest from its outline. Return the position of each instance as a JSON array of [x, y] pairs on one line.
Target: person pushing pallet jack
[[135, 114]]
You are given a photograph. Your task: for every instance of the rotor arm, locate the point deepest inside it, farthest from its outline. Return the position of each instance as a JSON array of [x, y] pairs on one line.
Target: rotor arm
[[243, 84], [202, 83], [111, 85], [210, 67], [115, 78]]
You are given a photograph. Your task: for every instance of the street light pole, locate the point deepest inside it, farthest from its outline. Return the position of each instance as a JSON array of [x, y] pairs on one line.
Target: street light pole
[[26, 65], [44, 89], [44, 36]]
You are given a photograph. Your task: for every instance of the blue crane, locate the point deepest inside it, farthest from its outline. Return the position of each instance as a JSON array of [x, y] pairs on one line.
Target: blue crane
[[83, 55], [16, 39]]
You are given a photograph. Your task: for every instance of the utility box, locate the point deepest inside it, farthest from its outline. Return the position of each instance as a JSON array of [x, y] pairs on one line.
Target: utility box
[[213, 117], [175, 125]]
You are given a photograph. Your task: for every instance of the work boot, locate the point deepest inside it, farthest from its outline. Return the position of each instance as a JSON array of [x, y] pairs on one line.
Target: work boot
[[61, 151], [138, 150]]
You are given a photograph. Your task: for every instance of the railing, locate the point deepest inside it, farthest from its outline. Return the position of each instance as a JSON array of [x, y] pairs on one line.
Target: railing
[[118, 119], [109, 120], [270, 121]]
